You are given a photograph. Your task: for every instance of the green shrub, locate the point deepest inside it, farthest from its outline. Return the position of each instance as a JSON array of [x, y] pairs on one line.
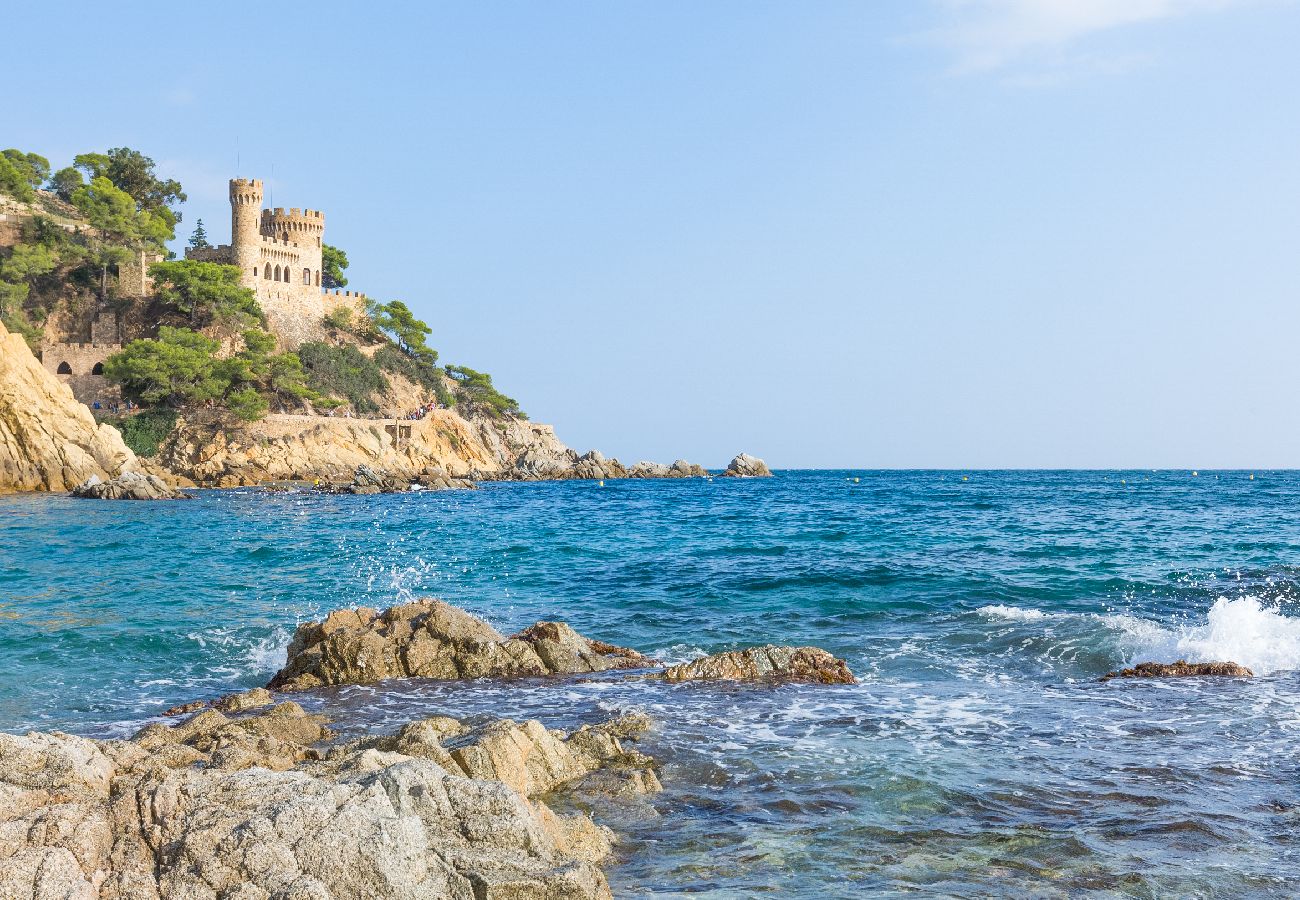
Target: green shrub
[[343, 372], [144, 431], [416, 369]]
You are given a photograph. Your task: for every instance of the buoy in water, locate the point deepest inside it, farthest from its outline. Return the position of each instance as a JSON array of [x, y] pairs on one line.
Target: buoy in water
[[964, 478], [856, 480], [1194, 474], [602, 482]]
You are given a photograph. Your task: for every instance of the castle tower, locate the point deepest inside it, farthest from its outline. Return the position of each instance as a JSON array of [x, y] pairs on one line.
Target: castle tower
[[304, 227], [245, 227]]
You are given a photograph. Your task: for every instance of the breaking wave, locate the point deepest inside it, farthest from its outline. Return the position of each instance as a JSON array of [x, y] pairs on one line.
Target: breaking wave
[[1244, 630]]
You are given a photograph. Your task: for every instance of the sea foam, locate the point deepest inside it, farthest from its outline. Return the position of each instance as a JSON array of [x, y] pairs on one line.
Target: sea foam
[[1241, 630]]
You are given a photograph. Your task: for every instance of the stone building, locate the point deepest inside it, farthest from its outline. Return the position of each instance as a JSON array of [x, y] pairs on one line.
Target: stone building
[[81, 365], [278, 252]]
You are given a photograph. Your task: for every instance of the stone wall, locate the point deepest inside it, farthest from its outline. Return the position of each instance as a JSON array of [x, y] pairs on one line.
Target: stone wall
[[78, 366]]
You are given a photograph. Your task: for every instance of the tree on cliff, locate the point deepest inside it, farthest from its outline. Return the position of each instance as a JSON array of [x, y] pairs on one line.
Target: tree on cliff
[[176, 368], [332, 263], [398, 322], [119, 227], [476, 392], [205, 293], [199, 239], [133, 172], [21, 173]]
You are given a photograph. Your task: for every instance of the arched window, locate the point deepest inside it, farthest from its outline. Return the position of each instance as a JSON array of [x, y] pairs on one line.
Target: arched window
[[98, 370], [318, 278], [267, 274], [277, 273], [64, 368], [306, 276], [254, 271]]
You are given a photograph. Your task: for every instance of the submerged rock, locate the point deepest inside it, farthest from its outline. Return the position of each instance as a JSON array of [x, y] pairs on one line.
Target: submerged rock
[[770, 663], [432, 639], [1182, 669], [746, 466], [128, 486], [217, 807]]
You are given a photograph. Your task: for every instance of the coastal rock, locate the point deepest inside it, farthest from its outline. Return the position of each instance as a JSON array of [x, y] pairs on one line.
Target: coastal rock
[[49, 441], [432, 639], [769, 663], [746, 466], [1182, 669], [216, 807], [128, 486]]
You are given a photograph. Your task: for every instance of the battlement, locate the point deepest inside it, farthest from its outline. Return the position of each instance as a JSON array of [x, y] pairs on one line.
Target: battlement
[[245, 192], [272, 239], [354, 295], [293, 213]]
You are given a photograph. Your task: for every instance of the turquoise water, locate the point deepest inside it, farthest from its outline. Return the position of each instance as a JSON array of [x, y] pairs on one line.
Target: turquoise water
[[979, 756]]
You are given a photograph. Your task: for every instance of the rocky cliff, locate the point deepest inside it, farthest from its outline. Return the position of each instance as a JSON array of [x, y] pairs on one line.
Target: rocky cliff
[[218, 452], [49, 441]]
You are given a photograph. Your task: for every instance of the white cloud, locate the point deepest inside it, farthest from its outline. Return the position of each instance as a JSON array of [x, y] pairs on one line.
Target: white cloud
[[987, 35]]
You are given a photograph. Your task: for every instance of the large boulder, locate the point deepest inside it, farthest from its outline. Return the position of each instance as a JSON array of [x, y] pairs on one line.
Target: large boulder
[[746, 466], [49, 441], [432, 639], [252, 807], [1182, 669], [769, 663], [128, 486]]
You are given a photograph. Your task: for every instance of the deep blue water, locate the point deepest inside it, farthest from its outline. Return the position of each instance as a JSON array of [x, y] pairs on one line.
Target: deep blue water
[[979, 756]]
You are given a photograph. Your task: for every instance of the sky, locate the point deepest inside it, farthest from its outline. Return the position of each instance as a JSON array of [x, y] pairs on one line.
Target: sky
[[862, 234]]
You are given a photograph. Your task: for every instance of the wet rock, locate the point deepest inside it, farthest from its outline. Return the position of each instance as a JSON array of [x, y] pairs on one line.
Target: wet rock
[[770, 663], [746, 466], [128, 486], [184, 709], [432, 639], [255, 698], [203, 809], [1182, 669]]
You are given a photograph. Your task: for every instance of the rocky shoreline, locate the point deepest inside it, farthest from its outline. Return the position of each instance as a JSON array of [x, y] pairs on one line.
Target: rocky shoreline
[[248, 798]]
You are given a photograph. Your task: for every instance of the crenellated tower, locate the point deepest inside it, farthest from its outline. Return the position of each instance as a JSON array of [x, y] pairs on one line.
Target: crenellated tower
[[245, 227], [306, 229]]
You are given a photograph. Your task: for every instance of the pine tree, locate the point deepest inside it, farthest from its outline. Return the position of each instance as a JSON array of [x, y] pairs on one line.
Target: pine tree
[[199, 239]]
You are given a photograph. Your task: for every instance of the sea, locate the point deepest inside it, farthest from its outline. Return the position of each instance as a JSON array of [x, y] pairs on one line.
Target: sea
[[979, 756]]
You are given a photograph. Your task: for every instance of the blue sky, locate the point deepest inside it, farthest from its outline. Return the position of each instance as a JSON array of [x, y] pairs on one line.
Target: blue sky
[[950, 233]]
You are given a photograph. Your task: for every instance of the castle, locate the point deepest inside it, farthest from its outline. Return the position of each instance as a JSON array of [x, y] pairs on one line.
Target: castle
[[279, 257], [278, 254]]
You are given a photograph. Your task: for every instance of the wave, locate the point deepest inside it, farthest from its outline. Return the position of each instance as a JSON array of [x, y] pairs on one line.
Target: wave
[[1244, 630]]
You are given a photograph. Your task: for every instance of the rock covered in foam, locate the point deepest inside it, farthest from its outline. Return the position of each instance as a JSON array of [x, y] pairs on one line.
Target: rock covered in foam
[[1182, 669], [222, 807], [432, 639], [769, 663], [746, 466]]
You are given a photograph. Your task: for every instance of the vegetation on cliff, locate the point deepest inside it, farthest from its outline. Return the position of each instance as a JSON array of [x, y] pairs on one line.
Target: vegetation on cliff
[[205, 341], [96, 214]]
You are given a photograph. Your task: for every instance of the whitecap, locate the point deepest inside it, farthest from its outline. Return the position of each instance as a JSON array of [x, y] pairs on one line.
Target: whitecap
[[1014, 613], [1240, 630]]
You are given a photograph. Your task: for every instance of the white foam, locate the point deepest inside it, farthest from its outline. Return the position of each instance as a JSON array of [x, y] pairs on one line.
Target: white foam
[[1014, 613], [269, 653], [1240, 630]]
